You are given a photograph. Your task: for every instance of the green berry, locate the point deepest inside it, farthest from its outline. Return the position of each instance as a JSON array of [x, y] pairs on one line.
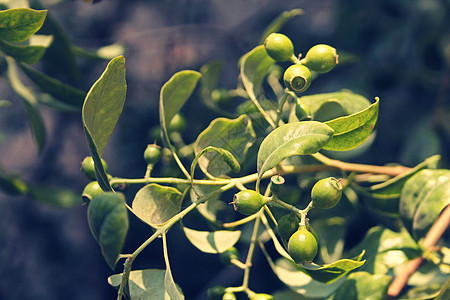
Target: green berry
[[326, 193], [91, 190], [297, 78], [152, 154], [302, 246], [88, 167], [287, 225], [321, 58], [177, 124], [228, 296], [228, 255], [216, 292], [248, 202], [279, 47], [261, 297], [302, 111]]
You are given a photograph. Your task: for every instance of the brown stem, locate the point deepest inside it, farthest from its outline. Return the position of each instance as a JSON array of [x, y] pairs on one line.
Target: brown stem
[[430, 240]]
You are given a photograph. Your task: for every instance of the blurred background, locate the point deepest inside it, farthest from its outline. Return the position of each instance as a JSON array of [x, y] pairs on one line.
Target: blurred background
[[398, 51]]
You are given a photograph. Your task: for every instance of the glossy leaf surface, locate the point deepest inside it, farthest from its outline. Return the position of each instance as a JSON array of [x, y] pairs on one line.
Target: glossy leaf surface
[[351, 131], [18, 24], [299, 138], [101, 110], [108, 221], [156, 204], [235, 136], [212, 241], [423, 198]]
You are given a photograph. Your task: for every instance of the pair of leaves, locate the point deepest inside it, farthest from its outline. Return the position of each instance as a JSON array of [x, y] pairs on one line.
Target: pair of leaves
[[423, 198], [101, 110], [108, 221]]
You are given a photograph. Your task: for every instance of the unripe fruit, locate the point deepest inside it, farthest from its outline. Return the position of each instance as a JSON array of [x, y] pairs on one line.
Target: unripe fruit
[[279, 47], [177, 124], [229, 296], [287, 225], [248, 202], [326, 193], [302, 111], [262, 297], [321, 58], [297, 78], [277, 184], [228, 255], [91, 190], [88, 167], [152, 154], [216, 292], [302, 246]]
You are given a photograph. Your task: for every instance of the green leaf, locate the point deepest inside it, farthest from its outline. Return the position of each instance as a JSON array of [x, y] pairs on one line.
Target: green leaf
[[351, 131], [332, 236], [212, 242], [255, 66], [101, 110], [276, 24], [172, 289], [330, 272], [29, 102], [423, 198], [210, 208], [174, 94], [235, 136], [156, 204], [63, 92], [385, 197], [60, 57], [28, 54], [362, 286], [18, 24], [329, 106], [54, 196], [226, 156], [108, 221], [301, 283], [299, 138], [12, 184], [378, 242], [143, 284]]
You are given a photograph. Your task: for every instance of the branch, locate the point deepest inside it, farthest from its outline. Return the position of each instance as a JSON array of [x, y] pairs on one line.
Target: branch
[[430, 240]]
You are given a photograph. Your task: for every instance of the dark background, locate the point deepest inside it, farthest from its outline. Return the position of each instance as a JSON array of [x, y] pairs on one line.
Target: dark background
[[403, 56]]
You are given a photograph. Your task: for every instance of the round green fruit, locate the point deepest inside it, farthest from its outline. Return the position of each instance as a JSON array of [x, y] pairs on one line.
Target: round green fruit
[[287, 225], [152, 154], [91, 190], [177, 124], [326, 193], [321, 58], [279, 47], [262, 297], [228, 255], [248, 202], [216, 292], [302, 111], [302, 246], [88, 167], [228, 296], [297, 78]]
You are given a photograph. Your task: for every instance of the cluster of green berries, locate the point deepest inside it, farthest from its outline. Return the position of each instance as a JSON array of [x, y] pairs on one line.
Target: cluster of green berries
[[302, 238], [297, 78]]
